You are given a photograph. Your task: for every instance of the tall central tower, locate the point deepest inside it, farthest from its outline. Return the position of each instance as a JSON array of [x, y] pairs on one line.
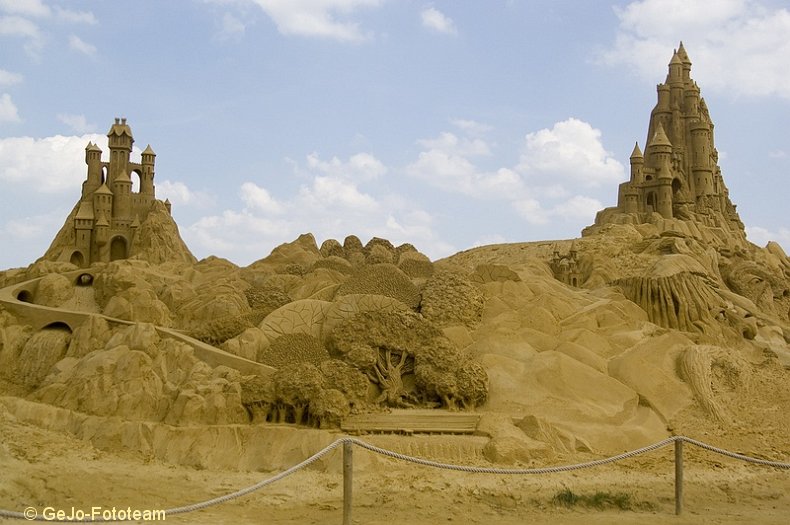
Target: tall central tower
[[678, 177]]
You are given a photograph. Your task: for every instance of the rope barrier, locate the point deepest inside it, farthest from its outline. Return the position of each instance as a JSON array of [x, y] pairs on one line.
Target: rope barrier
[[734, 455], [419, 461]]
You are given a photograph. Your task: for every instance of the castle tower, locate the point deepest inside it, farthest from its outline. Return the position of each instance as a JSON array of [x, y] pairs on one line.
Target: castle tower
[[147, 176], [122, 202], [659, 154], [678, 176], [701, 162], [83, 225], [637, 165], [628, 196], [120, 140], [102, 201], [93, 160]]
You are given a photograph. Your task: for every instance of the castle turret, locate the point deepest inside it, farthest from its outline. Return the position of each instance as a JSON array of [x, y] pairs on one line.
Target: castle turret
[[102, 201], [93, 160], [102, 229], [660, 153], [637, 165], [120, 140], [702, 161], [147, 175], [675, 75], [83, 225], [122, 203]]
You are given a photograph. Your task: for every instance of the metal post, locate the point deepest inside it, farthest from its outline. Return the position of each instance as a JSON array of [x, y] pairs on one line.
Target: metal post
[[678, 475], [348, 471]]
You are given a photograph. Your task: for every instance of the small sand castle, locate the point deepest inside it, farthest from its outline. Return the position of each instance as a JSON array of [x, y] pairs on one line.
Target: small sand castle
[[111, 222]]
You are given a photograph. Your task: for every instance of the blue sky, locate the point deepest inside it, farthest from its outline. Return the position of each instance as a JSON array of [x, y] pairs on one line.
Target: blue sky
[[446, 124]]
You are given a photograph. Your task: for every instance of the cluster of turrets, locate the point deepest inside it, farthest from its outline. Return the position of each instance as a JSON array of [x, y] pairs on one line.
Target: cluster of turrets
[[678, 176], [566, 267], [109, 212]]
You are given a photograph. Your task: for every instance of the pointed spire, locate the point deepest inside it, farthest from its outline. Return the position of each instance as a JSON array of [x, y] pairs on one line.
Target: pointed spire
[[148, 151], [684, 57], [659, 137], [675, 59], [637, 153]]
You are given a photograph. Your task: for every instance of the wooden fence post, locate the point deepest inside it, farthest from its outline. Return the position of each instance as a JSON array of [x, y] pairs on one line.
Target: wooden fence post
[[348, 472], [678, 475]]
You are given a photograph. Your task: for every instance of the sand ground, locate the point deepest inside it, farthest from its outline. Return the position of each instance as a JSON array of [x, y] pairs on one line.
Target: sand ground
[[42, 468]]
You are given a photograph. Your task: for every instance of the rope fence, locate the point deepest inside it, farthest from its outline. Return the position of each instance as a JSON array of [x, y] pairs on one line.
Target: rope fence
[[349, 442]]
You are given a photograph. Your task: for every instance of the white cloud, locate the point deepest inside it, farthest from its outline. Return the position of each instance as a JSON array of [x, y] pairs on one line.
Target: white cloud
[[8, 78], [79, 45], [738, 46], [8, 110], [437, 21], [332, 204], [77, 123], [32, 227], [362, 166], [24, 160], [231, 28], [334, 192], [471, 127], [76, 17], [577, 207], [451, 143], [35, 8], [453, 172], [16, 26], [180, 194], [316, 18], [761, 236], [570, 152], [258, 198]]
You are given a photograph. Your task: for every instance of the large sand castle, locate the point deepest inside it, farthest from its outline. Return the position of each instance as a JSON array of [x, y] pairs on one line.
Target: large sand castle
[[661, 320]]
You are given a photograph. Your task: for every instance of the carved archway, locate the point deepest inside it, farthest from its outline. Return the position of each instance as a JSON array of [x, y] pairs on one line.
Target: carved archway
[[77, 259], [118, 248]]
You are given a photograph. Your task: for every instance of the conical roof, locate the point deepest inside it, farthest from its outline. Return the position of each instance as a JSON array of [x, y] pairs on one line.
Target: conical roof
[[148, 151], [85, 212], [123, 176], [637, 153], [103, 189], [684, 57], [659, 137]]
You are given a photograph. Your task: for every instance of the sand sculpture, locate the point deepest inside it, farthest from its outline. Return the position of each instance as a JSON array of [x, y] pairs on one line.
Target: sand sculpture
[[112, 222], [661, 318]]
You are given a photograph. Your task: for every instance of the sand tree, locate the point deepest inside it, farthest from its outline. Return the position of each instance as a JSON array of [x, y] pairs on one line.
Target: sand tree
[[387, 346]]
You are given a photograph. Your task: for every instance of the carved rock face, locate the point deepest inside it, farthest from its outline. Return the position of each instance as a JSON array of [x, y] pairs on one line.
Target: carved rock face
[[678, 293], [768, 291]]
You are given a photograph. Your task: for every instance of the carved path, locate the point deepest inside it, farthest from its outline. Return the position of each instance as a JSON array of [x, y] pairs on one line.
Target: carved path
[[18, 298]]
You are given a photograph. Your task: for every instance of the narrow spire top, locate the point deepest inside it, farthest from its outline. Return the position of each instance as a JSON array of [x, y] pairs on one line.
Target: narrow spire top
[[637, 153], [684, 57]]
